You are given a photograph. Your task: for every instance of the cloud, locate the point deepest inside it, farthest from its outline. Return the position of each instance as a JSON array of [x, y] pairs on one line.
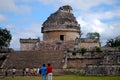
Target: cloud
[[83, 5], [114, 29], [11, 6], [105, 15], [2, 18], [110, 31], [91, 23], [48, 1], [33, 31], [86, 4]]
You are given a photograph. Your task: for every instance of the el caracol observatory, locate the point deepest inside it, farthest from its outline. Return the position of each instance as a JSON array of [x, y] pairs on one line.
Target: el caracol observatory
[[61, 25]]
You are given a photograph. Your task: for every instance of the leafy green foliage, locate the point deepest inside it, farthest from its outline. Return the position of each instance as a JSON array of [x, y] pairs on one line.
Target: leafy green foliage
[[74, 52], [114, 42], [83, 50], [98, 49], [5, 37], [93, 35]]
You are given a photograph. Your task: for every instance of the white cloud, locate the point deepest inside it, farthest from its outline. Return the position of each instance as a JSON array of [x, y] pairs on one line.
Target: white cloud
[[90, 25], [48, 1], [86, 4], [2, 18], [11, 6], [110, 31], [78, 4], [89, 21], [94, 24], [33, 31], [105, 15]]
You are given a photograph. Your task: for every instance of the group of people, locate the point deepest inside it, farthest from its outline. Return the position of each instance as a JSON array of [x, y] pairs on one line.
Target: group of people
[[13, 72], [25, 71], [46, 71], [43, 71]]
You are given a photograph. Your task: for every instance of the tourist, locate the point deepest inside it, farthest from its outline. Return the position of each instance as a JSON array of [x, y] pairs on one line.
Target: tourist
[[49, 72], [43, 72], [13, 72], [6, 72], [24, 72], [34, 71], [38, 71]]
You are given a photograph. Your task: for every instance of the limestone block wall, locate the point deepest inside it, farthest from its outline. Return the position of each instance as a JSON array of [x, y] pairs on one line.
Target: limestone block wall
[[81, 62], [102, 70], [88, 45], [68, 35], [26, 46]]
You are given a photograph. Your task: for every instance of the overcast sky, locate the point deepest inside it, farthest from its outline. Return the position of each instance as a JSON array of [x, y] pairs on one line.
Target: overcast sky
[[24, 18]]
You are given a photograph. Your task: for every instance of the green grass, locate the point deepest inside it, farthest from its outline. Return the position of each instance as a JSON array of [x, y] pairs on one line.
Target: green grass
[[67, 77]]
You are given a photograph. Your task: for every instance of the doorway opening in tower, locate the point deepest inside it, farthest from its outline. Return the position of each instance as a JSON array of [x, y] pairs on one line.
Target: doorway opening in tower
[[62, 37]]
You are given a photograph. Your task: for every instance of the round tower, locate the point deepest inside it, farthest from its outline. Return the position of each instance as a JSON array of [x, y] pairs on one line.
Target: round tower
[[61, 25]]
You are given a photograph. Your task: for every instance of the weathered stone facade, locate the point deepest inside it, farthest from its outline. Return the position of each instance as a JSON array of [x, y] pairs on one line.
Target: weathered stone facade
[[61, 35], [61, 25], [105, 62], [28, 44], [108, 65], [87, 43]]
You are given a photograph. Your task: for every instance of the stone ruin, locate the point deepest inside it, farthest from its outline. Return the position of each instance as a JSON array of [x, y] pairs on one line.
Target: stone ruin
[[61, 19], [108, 65], [61, 34]]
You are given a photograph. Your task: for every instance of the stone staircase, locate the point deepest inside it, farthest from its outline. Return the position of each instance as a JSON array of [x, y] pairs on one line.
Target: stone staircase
[[34, 59]]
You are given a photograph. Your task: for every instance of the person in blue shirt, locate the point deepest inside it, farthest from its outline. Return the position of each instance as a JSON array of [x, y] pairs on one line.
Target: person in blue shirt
[[43, 72]]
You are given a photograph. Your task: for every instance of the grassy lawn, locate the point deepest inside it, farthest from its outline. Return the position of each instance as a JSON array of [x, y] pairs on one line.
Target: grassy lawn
[[68, 77]]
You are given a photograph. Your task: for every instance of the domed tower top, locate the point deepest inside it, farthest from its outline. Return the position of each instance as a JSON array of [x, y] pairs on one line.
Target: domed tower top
[[61, 21], [66, 8]]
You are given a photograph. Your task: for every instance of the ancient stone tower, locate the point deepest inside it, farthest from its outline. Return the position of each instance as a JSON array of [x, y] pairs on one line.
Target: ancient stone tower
[[61, 25]]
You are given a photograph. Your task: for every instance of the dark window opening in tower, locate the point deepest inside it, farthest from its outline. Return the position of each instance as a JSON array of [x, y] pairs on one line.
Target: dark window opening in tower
[[62, 37]]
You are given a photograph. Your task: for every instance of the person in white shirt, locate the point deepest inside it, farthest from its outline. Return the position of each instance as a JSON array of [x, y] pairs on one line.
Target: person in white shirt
[[13, 72]]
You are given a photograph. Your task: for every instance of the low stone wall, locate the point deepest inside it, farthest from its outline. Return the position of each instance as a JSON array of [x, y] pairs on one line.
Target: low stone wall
[[102, 70], [19, 72], [81, 62]]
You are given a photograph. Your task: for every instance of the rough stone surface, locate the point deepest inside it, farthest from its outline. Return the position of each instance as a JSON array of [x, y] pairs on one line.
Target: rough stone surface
[[62, 22], [109, 65]]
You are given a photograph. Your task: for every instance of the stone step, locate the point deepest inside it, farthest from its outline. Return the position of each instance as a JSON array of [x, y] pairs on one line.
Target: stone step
[[22, 59]]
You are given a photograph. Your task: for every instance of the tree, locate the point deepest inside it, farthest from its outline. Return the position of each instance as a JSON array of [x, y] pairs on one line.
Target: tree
[[114, 42], [5, 37], [97, 35], [93, 35], [90, 35]]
